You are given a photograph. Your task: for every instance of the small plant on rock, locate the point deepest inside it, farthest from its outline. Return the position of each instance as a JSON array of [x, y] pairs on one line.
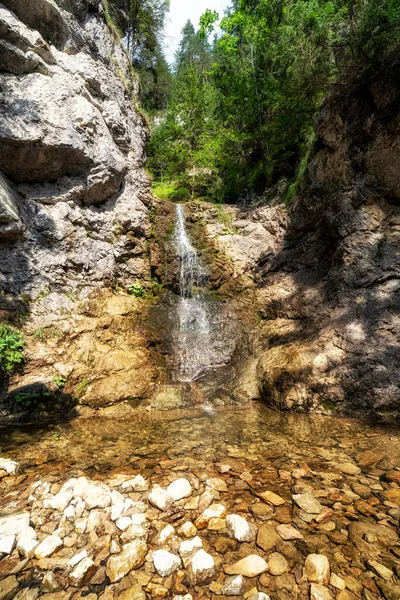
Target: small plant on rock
[[60, 381], [11, 350], [137, 290]]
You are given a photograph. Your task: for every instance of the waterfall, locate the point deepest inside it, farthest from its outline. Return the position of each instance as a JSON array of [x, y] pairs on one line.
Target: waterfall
[[192, 343]]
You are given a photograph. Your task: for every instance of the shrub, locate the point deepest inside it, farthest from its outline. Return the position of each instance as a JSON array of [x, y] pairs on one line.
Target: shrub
[[135, 289], [11, 350]]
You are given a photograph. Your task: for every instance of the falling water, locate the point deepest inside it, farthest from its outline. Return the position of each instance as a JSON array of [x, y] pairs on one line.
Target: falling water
[[192, 340]]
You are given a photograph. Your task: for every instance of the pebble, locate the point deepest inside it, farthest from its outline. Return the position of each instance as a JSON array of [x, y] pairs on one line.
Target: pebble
[[48, 546], [380, 569], [317, 569], [160, 499], [349, 468], [262, 511], [277, 564], [287, 532], [218, 484], [93, 495], [239, 528], [165, 562], [7, 544], [337, 582], [131, 557], [201, 568], [233, 586], [250, 566], [215, 511], [258, 596], [179, 489], [319, 592], [308, 503], [267, 537], [8, 588], [83, 572], [189, 547], [272, 498], [188, 530]]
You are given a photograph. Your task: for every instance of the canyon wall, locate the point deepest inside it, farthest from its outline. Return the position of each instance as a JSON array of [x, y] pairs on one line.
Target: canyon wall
[[325, 274]]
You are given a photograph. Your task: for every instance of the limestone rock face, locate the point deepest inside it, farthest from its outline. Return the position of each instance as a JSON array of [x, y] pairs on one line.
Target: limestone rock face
[[71, 151]]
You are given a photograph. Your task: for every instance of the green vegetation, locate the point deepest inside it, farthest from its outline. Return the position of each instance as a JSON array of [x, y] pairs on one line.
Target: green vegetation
[[11, 350], [170, 191], [60, 381], [239, 122], [135, 289], [82, 386]]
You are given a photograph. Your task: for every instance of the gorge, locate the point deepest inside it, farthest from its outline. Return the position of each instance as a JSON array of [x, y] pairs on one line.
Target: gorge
[[207, 405]]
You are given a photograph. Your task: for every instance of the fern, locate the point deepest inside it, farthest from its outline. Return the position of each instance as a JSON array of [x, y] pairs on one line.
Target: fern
[[11, 349]]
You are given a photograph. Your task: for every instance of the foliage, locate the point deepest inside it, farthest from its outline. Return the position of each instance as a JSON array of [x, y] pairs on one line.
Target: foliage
[[170, 191], [136, 290], [60, 381], [11, 350], [241, 110]]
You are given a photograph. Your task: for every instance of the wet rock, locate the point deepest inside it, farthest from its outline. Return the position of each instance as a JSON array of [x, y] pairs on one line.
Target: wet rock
[[201, 568], [349, 468], [337, 582], [277, 564], [287, 532], [317, 569], [250, 566], [240, 529], [83, 572], [262, 511], [8, 588], [390, 591], [308, 503], [131, 557], [48, 546], [179, 489], [272, 498], [380, 570], [160, 499], [165, 562], [233, 586], [267, 537], [319, 592], [217, 484]]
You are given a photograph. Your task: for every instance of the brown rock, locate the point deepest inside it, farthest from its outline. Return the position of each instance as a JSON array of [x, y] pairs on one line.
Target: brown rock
[[267, 536]]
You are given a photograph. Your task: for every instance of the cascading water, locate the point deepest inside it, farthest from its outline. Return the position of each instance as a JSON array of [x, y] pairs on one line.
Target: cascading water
[[192, 343]]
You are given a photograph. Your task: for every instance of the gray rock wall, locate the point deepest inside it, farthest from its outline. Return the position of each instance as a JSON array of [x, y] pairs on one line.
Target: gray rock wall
[[73, 191]]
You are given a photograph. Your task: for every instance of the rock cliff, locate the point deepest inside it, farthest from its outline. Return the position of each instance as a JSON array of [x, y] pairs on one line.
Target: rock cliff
[[325, 275], [72, 149], [74, 201]]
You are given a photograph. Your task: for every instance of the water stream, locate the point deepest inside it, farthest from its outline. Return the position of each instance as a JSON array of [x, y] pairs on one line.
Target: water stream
[[202, 337]]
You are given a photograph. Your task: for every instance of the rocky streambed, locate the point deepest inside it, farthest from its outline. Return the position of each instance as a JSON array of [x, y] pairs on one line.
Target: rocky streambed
[[243, 502]]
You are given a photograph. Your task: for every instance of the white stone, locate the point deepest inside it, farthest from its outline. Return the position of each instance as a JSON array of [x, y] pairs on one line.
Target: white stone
[[69, 513], [117, 505], [7, 544], [13, 524], [179, 489], [94, 495], [139, 484], [233, 586], [319, 592], [48, 546], [10, 466], [337, 582], [188, 547], [160, 499], [80, 526], [27, 542], [95, 520], [201, 568], [239, 528], [123, 523], [165, 562], [259, 596], [59, 502], [77, 558], [164, 534], [287, 532], [83, 570], [185, 597], [69, 485]]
